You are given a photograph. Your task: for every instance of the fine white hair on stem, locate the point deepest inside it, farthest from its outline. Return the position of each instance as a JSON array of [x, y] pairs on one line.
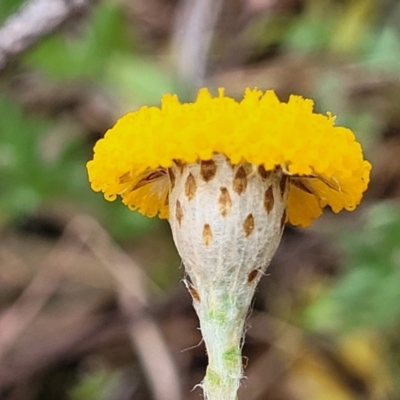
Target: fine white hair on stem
[[191, 40]]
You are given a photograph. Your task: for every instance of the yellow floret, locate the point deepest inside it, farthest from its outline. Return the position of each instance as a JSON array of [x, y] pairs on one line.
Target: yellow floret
[[327, 160]]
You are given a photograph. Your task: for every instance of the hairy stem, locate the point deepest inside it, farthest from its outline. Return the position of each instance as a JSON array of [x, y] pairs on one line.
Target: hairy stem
[[222, 324]]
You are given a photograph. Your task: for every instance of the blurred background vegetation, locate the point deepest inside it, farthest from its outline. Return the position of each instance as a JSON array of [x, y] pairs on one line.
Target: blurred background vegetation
[[79, 275]]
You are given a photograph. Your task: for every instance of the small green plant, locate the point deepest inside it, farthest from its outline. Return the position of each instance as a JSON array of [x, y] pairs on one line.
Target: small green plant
[[367, 296]]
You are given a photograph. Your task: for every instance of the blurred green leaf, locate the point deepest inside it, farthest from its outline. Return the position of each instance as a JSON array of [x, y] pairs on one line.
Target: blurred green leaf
[[98, 385], [28, 180], [86, 55], [312, 29], [138, 79], [309, 34], [383, 52], [20, 162], [368, 295], [326, 25]]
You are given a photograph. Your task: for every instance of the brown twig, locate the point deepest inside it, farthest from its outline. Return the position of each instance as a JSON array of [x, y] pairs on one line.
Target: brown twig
[[283, 353], [70, 344], [193, 32], [144, 332], [35, 20], [24, 310]]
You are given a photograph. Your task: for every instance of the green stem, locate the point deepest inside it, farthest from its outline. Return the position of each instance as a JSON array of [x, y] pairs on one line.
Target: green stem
[[222, 325]]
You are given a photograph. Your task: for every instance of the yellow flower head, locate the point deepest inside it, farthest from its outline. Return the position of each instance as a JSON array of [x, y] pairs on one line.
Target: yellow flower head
[[324, 163]]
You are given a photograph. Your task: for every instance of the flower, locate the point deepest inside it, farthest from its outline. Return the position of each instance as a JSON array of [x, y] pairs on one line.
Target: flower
[[228, 175], [324, 163]]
